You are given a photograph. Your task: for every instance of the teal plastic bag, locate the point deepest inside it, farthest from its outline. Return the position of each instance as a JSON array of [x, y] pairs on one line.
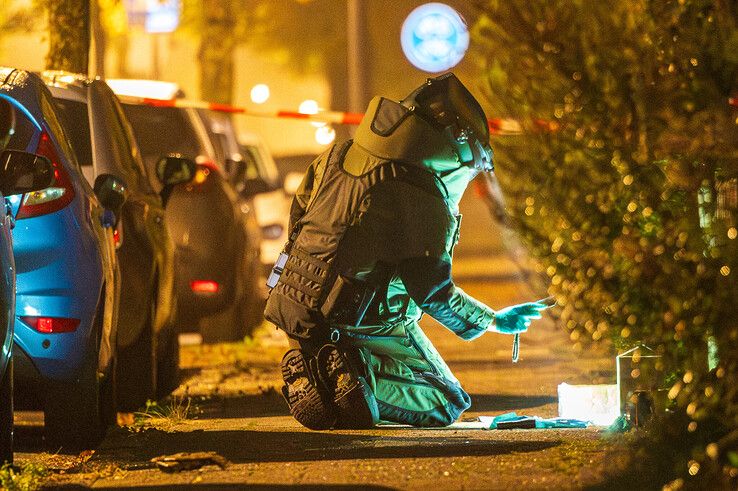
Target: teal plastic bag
[[513, 420]]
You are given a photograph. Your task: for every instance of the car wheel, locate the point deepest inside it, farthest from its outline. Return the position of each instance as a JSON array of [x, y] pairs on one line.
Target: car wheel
[[135, 367], [167, 362], [6, 415], [77, 414], [224, 326], [73, 414]]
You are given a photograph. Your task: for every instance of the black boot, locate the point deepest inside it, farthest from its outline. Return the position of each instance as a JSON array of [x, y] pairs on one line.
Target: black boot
[[310, 402], [340, 368]]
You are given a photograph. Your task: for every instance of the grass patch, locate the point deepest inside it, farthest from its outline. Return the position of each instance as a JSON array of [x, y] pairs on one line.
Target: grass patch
[[165, 416], [25, 477]]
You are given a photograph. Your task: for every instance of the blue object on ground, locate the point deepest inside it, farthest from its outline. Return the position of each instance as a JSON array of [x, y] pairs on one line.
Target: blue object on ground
[[513, 420]]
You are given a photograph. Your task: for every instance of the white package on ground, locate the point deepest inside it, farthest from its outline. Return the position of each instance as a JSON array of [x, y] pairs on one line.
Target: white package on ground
[[596, 403]]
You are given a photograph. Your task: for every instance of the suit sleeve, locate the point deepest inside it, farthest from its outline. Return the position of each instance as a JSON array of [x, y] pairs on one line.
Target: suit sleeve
[[428, 282], [421, 239]]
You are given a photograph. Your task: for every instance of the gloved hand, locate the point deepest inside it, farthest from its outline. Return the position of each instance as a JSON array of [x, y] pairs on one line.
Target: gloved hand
[[517, 318]]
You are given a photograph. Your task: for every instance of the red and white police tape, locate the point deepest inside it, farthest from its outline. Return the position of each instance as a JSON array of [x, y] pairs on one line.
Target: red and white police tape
[[497, 126]]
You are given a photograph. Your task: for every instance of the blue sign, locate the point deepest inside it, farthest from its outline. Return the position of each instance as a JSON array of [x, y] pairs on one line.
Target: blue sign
[[155, 16], [434, 37]]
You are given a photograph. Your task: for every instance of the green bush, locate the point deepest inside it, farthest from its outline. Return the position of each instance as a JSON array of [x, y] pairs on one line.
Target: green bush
[[624, 186]]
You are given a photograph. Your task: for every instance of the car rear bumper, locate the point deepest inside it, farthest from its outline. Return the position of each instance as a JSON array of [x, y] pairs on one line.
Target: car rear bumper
[[189, 267], [34, 375], [59, 356]]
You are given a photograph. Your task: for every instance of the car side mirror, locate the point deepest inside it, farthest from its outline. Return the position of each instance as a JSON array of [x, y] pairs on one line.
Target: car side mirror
[[175, 169], [254, 186], [23, 172], [112, 193]]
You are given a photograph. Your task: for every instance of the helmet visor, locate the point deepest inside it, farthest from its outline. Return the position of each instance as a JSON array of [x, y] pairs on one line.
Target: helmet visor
[[448, 102]]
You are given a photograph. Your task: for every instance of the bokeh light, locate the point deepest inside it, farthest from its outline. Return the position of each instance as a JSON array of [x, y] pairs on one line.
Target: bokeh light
[[325, 135], [310, 106], [260, 93]]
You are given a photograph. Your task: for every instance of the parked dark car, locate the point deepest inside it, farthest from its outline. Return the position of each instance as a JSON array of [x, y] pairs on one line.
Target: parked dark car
[[242, 173], [216, 252], [20, 172], [67, 278], [148, 348]]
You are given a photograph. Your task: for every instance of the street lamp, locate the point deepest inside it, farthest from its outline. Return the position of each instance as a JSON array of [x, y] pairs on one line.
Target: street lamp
[[434, 37]]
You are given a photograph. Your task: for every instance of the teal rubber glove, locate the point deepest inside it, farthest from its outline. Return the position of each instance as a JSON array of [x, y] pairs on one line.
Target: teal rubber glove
[[517, 318]]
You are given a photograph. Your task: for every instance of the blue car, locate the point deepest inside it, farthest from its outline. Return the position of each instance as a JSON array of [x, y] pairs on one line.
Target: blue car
[[20, 172], [67, 277]]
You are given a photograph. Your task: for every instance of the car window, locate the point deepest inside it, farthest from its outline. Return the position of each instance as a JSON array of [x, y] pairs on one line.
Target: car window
[[7, 121], [17, 130], [267, 169], [74, 117], [50, 116], [125, 139], [120, 145], [251, 165], [160, 131], [219, 145], [150, 177]]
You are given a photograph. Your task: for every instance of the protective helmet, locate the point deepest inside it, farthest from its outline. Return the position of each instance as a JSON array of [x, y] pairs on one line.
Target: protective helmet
[[446, 104]]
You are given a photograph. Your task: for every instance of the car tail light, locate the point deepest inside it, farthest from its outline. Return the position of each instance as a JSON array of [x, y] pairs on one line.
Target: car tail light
[[204, 286], [56, 196], [201, 174], [203, 161], [51, 325]]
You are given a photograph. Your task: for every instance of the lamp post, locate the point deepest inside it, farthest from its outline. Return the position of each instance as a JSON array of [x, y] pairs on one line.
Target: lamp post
[[356, 50]]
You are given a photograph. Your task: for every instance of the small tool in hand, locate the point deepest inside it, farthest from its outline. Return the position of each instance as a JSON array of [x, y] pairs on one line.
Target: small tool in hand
[[545, 303]]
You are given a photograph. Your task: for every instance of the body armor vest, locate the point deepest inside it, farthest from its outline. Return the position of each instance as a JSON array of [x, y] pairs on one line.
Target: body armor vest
[[311, 294]]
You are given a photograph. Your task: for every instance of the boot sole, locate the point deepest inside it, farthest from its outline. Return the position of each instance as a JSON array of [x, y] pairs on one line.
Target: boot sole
[[308, 405], [357, 407]]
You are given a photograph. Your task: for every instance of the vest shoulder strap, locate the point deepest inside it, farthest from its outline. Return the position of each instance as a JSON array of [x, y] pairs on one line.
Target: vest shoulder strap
[[420, 178], [337, 153]]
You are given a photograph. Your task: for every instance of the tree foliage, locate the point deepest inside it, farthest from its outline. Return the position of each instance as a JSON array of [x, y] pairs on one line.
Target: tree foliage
[[307, 35], [15, 20], [69, 35], [625, 186], [217, 46]]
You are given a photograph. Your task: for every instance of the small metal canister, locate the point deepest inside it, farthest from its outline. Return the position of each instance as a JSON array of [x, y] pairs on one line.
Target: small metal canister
[[640, 380]]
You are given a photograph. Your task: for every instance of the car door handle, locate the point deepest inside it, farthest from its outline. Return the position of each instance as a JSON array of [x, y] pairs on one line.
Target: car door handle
[[107, 219]]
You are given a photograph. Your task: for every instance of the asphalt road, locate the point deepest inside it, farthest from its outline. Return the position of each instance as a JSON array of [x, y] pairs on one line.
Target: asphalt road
[[235, 410]]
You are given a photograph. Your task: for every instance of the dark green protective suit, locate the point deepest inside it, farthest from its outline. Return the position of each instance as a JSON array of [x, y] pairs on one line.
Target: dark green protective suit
[[409, 233]]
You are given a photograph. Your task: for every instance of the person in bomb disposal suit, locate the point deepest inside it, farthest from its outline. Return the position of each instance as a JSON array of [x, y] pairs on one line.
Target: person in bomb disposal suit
[[373, 226]]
